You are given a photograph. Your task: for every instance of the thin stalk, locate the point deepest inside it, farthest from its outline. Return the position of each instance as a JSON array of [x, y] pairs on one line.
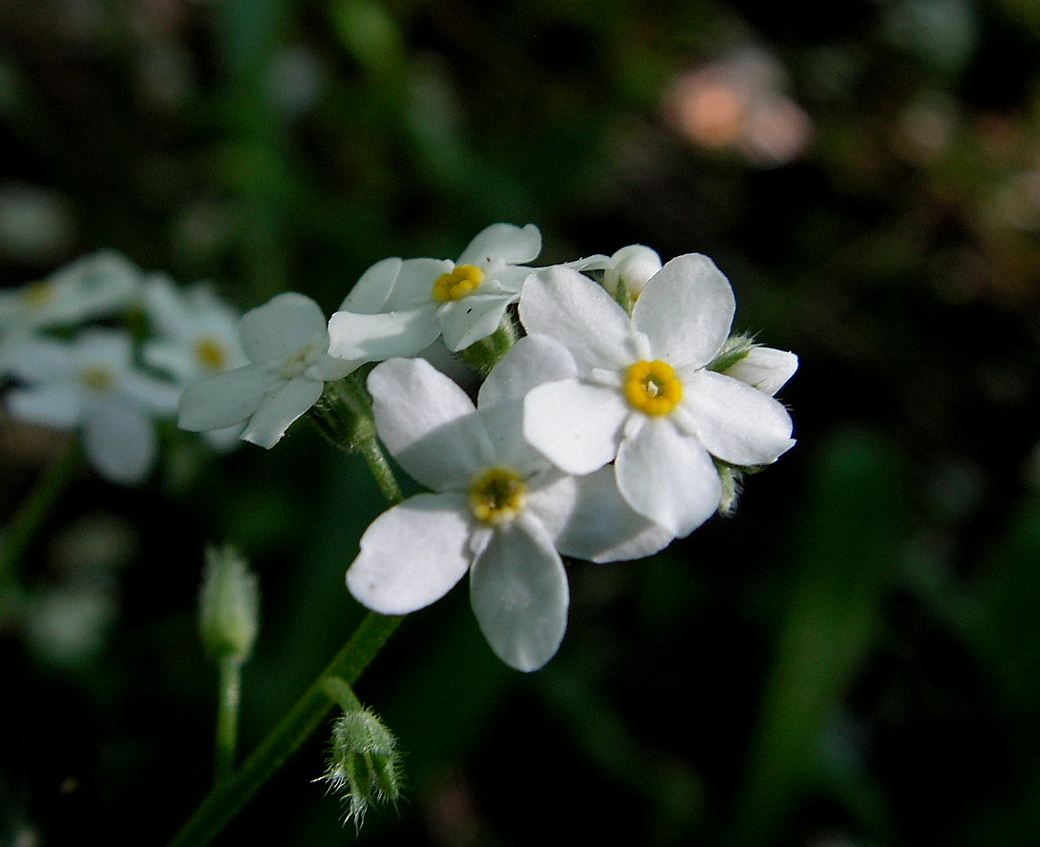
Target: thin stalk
[[232, 792], [31, 516], [229, 796], [230, 682]]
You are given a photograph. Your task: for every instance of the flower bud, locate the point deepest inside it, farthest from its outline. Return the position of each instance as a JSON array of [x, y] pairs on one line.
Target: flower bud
[[229, 605], [364, 763], [631, 266], [764, 368]]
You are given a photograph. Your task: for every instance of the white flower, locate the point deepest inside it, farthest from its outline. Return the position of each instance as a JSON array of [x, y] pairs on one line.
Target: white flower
[[195, 332], [501, 511], [639, 390], [195, 335], [91, 383], [94, 286], [287, 344], [400, 306]]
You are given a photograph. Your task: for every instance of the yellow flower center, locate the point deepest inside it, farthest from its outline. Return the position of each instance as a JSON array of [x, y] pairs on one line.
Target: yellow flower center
[[460, 282], [98, 378], [211, 354], [36, 295], [497, 495], [652, 388]]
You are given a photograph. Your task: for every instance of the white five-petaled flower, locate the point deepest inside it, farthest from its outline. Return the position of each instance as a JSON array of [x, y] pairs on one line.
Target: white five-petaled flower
[[500, 511], [640, 392], [94, 286], [287, 344], [400, 306], [91, 383], [194, 335]]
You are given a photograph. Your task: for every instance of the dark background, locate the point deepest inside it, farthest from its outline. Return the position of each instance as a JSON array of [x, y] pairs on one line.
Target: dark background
[[852, 659]]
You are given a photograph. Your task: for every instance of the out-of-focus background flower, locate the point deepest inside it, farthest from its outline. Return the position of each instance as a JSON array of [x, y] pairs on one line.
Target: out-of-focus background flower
[[852, 659]]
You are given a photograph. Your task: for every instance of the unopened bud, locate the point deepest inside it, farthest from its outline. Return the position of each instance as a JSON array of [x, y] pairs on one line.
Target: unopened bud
[[364, 763], [764, 368], [229, 605], [631, 268]]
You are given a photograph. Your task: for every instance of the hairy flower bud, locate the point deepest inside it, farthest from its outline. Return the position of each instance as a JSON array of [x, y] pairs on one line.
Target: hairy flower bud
[[364, 763], [228, 605]]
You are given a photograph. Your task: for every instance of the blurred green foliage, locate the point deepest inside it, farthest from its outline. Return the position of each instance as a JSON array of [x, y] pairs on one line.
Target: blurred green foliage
[[852, 659]]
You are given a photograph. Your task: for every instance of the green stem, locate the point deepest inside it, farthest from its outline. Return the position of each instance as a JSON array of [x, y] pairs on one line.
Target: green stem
[[227, 798], [30, 517], [230, 670], [344, 416]]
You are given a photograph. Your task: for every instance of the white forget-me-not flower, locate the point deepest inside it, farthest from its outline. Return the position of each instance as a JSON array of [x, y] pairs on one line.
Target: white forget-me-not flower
[[400, 306], [287, 343], [500, 510], [91, 383], [640, 392]]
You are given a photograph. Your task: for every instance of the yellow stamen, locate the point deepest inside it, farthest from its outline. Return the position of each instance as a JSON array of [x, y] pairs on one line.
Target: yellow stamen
[[98, 378], [36, 295], [652, 388], [458, 283], [497, 495], [211, 354]]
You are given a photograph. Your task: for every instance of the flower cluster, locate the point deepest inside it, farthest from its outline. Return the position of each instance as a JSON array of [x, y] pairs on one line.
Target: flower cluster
[[67, 348], [607, 431], [616, 413]]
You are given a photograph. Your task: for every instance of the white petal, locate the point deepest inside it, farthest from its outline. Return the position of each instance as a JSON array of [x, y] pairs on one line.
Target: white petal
[[374, 338], [224, 399], [563, 304], [281, 408], [58, 405], [328, 368], [765, 368], [156, 395], [518, 589], [412, 554], [39, 359], [686, 310], [734, 421], [533, 360], [119, 440], [393, 284], [599, 524], [505, 242], [576, 426], [477, 316], [372, 290], [668, 477], [111, 348], [428, 423], [278, 329], [96, 285], [166, 307]]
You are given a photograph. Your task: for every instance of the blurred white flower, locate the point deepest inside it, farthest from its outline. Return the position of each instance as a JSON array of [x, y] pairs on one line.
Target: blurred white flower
[[195, 334], [91, 383], [400, 306], [97, 285], [286, 343], [639, 391], [501, 511]]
